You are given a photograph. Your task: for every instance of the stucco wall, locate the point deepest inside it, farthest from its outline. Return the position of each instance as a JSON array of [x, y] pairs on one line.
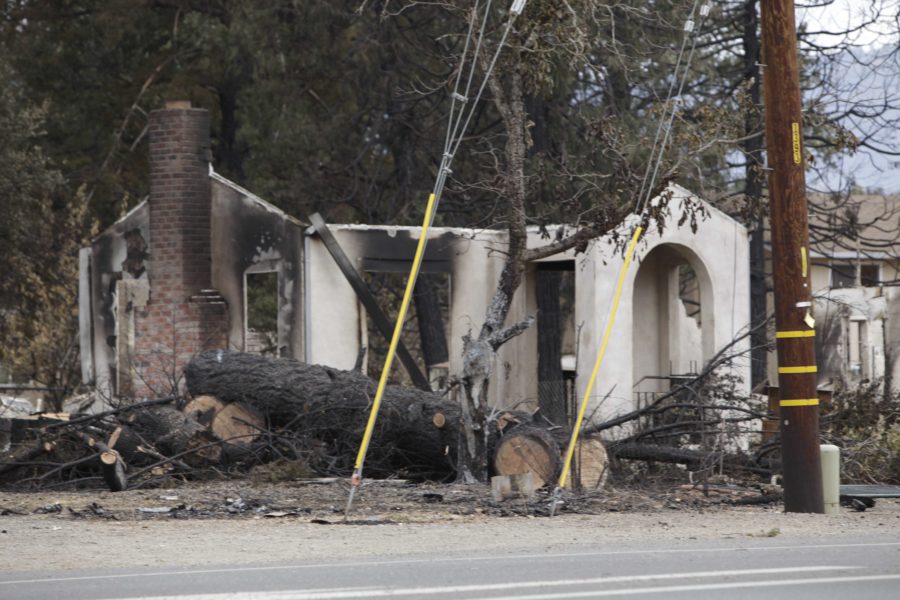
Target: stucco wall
[[720, 247]]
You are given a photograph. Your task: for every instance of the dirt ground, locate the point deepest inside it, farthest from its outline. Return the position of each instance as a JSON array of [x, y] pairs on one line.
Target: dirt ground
[[241, 522]]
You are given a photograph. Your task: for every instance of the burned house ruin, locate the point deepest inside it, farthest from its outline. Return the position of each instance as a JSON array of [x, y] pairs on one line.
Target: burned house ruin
[[204, 263]]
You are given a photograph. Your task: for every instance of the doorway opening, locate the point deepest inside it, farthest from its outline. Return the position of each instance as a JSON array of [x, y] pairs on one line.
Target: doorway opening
[[555, 295]]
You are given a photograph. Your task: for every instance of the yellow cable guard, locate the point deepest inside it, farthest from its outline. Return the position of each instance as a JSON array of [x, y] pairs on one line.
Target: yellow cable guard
[[795, 334], [793, 370], [803, 402], [395, 339], [796, 144], [570, 451]]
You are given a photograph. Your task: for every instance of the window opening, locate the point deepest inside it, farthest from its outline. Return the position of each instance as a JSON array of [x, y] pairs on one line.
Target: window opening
[[261, 319], [856, 347], [424, 331], [689, 291], [870, 275], [843, 275]]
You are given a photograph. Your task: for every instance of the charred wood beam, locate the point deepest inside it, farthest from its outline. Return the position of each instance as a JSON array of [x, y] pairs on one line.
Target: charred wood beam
[[431, 323]]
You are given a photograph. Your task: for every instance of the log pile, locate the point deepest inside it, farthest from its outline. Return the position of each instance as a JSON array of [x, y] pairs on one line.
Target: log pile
[[246, 409]]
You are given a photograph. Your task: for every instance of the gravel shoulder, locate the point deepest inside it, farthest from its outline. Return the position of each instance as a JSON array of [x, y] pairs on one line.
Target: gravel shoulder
[[270, 524]]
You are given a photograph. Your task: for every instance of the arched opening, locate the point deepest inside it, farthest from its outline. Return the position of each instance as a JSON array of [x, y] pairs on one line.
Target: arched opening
[[673, 320]]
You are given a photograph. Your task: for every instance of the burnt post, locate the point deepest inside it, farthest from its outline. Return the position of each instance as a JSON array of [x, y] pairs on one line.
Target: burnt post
[[795, 328]]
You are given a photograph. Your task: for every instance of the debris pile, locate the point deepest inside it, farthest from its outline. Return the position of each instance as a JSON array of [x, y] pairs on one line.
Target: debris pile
[[274, 419]]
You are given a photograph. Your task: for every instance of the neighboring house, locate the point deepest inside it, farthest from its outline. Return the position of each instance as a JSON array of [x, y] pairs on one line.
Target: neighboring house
[[855, 271], [206, 264]]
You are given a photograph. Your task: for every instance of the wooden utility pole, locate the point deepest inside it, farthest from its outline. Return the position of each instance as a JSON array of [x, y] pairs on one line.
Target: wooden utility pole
[[795, 328]]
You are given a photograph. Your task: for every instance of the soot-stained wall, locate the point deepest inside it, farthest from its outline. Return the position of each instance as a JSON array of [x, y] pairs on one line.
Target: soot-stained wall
[[120, 252], [250, 235]]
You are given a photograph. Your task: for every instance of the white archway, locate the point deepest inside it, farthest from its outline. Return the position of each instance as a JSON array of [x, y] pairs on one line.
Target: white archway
[[673, 317]]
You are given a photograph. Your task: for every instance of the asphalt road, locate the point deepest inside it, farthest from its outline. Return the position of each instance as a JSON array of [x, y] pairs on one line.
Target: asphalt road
[[857, 568]]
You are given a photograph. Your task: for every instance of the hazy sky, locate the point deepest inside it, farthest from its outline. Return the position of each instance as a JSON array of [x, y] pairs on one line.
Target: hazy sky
[[842, 15], [871, 83]]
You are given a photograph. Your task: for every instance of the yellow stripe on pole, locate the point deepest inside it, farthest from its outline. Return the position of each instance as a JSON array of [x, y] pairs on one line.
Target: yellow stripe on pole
[[795, 370], [795, 334], [395, 338], [801, 402], [570, 451]]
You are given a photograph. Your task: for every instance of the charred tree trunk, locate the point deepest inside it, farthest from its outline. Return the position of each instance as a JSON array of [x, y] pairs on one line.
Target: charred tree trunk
[[690, 458], [753, 190], [479, 352]]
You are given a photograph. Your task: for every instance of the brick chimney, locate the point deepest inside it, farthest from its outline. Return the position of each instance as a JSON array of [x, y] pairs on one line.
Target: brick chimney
[[180, 265], [179, 314]]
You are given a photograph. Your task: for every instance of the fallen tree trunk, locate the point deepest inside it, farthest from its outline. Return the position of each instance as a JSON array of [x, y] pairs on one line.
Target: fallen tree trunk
[[416, 431], [689, 458]]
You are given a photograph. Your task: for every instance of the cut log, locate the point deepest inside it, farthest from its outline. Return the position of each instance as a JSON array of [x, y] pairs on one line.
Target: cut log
[[173, 433], [113, 468], [127, 444], [528, 449], [416, 434], [111, 464], [590, 465], [332, 406], [233, 423], [237, 424], [203, 409]]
